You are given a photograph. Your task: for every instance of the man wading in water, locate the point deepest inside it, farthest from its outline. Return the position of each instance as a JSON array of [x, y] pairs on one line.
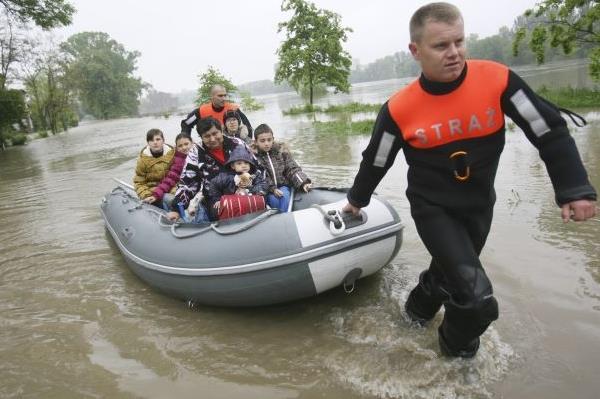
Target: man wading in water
[[450, 125]]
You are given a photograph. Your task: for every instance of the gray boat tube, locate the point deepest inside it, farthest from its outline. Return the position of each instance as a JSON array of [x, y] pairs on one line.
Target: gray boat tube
[[258, 259]]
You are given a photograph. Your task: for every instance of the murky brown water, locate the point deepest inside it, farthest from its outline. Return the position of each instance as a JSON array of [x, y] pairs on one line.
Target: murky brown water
[[75, 322]]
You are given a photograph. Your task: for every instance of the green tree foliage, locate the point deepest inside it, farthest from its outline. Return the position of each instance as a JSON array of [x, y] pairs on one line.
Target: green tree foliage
[[249, 103], [12, 44], [564, 24], [44, 13], [102, 73], [210, 78], [312, 53], [12, 111], [497, 47], [51, 100]]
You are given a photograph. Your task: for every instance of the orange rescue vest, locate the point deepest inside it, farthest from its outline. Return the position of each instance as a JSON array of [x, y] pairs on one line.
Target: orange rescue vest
[[206, 110], [471, 110]]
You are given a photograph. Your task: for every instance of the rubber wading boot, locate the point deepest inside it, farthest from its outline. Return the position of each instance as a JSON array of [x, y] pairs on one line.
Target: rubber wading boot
[[467, 352]]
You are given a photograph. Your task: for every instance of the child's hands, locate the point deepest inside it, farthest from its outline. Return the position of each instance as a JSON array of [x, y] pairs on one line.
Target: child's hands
[[243, 131], [149, 200], [217, 205], [278, 193], [243, 180], [172, 216], [307, 187]]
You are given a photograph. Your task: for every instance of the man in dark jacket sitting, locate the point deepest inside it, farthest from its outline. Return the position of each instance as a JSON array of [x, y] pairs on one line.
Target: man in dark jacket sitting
[[203, 163]]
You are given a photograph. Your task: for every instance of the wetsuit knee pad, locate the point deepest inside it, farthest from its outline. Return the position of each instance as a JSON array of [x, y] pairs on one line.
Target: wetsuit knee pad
[[470, 284], [473, 301]]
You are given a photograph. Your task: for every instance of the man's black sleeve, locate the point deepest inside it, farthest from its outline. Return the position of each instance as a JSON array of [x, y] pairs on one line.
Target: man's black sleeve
[[190, 121], [547, 130], [378, 157]]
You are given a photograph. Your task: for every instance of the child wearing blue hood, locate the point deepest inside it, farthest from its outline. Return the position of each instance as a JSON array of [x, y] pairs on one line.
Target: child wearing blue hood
[[244, 178]]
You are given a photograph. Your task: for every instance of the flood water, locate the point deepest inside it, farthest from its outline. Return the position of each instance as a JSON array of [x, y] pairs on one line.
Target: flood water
[[75, 322]]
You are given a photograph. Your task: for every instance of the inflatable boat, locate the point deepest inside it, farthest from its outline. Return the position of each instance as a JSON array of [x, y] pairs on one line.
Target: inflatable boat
[[261, 258]]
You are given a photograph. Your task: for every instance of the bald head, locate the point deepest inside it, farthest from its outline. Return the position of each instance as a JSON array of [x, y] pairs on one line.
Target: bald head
[[436, 12], [217, 87], [218, 95]]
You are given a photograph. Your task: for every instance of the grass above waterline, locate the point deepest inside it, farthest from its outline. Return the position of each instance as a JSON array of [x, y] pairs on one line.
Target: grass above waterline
[[342, 127], [349, 107], [569, 97]]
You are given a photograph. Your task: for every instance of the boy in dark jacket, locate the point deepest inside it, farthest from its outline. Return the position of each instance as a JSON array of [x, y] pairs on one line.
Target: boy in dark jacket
[[244, 178], [282, 171]]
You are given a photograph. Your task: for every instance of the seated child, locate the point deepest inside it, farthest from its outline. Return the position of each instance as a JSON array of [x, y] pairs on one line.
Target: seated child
[[282, 171], [232, 126], [243, 179], [152, 165], [165, 189]]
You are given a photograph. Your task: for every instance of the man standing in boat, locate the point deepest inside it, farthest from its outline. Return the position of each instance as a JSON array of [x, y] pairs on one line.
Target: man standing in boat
[[216, 109], [450, 125], [203, 163]]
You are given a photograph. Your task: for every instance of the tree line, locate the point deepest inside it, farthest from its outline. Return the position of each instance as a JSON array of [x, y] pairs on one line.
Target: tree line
[[47, 86]]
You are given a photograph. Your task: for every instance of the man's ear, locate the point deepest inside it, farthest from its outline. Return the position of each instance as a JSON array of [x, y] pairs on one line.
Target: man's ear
[[414, 50]]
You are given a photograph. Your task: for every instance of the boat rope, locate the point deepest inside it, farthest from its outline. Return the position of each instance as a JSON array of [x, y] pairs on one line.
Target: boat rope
[[245, 226], [173, 226], [336, 221], [194, 234], [215, 226]]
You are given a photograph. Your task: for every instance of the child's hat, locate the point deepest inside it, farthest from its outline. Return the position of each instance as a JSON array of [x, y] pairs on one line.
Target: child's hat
[[231, 113], [241, 153]]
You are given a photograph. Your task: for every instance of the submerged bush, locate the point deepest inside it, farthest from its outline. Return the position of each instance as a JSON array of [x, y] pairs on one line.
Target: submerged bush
[[343, 127], [353, 107], [303, 109], [18, 139], [570, 97], [336, 108]]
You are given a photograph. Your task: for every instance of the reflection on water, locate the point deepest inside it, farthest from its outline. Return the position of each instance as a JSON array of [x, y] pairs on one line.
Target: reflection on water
[[75, 322]]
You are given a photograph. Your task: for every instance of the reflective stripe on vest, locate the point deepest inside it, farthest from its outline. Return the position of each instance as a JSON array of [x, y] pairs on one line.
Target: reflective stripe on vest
[[206, 110], [471, 110]]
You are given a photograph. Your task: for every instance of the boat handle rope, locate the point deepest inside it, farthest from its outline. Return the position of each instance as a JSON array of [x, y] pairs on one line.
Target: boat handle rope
[[336, 221], [173, 226], [215, 226], [246, 226]]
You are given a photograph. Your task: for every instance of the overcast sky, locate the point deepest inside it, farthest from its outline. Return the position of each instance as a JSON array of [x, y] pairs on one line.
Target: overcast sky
[[178, 39]]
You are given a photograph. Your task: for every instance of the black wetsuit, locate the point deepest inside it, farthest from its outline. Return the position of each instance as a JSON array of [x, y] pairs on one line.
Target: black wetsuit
[[452, 135]]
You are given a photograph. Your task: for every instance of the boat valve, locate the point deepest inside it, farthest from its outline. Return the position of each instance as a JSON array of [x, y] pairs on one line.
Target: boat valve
[[127, 233]]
